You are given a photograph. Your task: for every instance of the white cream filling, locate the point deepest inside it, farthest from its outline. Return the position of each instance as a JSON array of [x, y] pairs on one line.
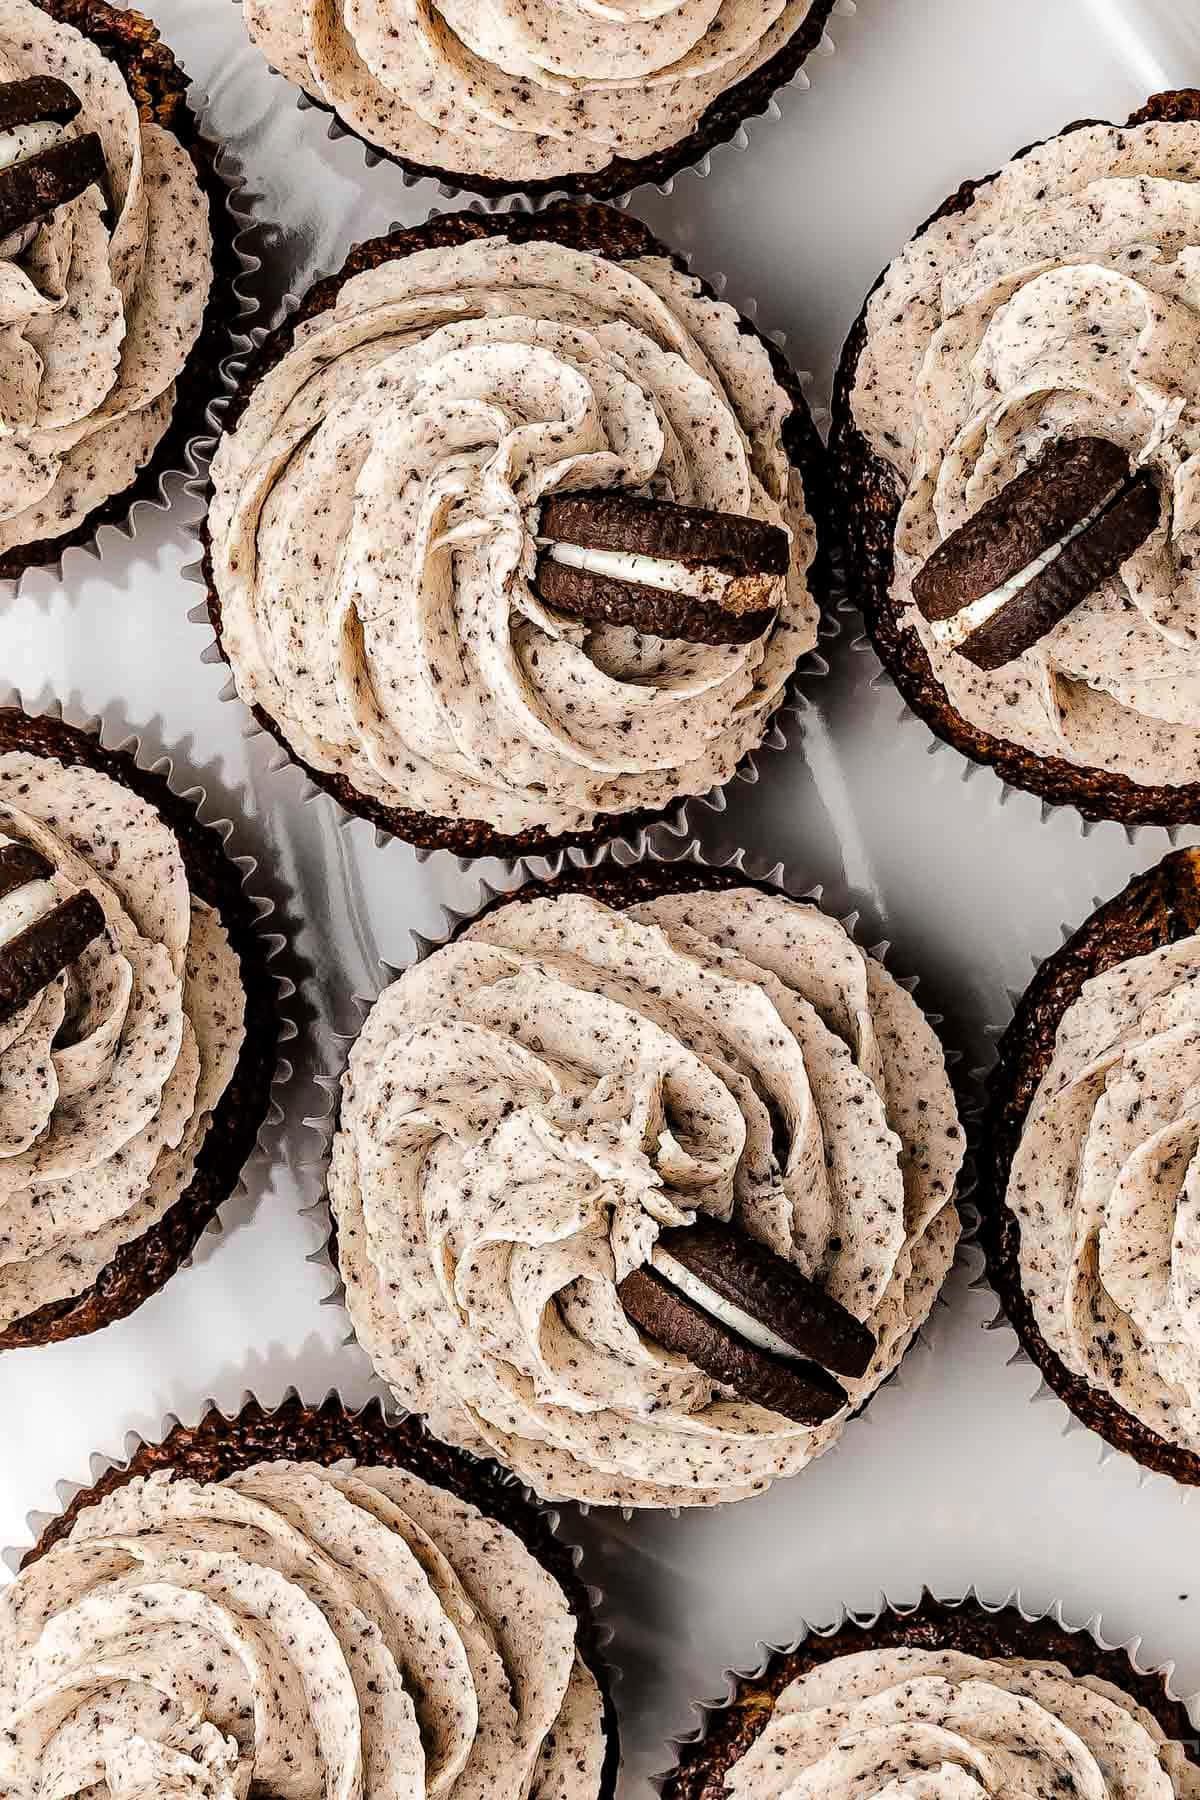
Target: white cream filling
[[956, 630], [28, 140], [660, 572], [24, 907], [724, 1311]]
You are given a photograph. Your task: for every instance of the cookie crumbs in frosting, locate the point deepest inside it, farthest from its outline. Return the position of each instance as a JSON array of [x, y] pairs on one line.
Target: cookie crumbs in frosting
[[528, 1108], [1064, 302], [958, 1727], [102, 305], [110, 1076], [375, 521], [299, 1631]]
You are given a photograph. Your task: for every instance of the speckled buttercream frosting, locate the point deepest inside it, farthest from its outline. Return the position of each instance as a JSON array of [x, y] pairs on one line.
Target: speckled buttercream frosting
[[500, 94], [103, 306], [1105, 1186], [950, 1726], [374, 521], [525, 1110], [294, 1630], [109, 1077], [1061, 302]]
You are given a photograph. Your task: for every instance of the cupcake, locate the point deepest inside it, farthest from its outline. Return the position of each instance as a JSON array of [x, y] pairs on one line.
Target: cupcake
[[1015, 442], [946, 1699], [1089, 1189], [138, 1030], [643, 1184], [509, 538], [517, 100], [304, 1602], [117, 263]]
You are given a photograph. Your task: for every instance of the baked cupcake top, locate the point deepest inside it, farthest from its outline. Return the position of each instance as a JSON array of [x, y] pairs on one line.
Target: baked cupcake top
[[1061, 305], [116, 1045], [102, 302], [294, 1630], [375, 518], [516, 93], [956, 1726], [526, 1113], [1104, 1185]]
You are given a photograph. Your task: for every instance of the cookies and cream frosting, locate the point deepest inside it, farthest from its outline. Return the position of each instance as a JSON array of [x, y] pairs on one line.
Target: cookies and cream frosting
[[374, 531], [1063, 303], [311, 1633], [1105, 1183], [516, 93], [99, 311], [110, 1076], [949, 1726], [525, 1110]]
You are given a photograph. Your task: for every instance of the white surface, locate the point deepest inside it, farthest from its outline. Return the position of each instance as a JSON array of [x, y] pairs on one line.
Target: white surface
[[954, 1478]]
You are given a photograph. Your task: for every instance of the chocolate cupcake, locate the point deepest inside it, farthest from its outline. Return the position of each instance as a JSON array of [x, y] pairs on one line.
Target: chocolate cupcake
[[118, 258], [1089, 1169], [511, 533], [139, 1028], [315, 1602], [644, 1183], [948, 1699], [1020, 489], [517, 100]]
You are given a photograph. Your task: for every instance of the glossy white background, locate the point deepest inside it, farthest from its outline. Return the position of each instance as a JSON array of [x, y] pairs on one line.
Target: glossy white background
[[954, 1477]]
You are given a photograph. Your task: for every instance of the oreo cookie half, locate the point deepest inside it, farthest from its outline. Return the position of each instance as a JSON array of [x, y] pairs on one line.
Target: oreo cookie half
[[749, 1319], [40, 935], [1027, 558], [669, 571], [38, 184]]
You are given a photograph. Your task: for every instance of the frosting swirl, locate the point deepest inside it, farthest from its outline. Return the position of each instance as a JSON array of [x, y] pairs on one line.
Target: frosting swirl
[[1106, 1185], [109, 1078], [99, 312], [525, 1110], [297, 1631], [1063, 303], [944, 1726], [515, 92], [375, 515]]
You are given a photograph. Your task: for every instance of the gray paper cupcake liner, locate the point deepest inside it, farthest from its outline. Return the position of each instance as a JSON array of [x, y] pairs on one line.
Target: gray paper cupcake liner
[[738, 143], [199, 446], [784, 729], [981, 775], [337, 1044], [100, 1464], [288, 968], [879, 1607]]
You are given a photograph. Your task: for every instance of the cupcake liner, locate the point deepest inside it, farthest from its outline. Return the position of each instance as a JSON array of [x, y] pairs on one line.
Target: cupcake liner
[[337, 1044], [761, 109], [854, 1628], [175, 461], [330, 1431], [784, 728], [284, 968], [852, 628], [998, 1322]]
